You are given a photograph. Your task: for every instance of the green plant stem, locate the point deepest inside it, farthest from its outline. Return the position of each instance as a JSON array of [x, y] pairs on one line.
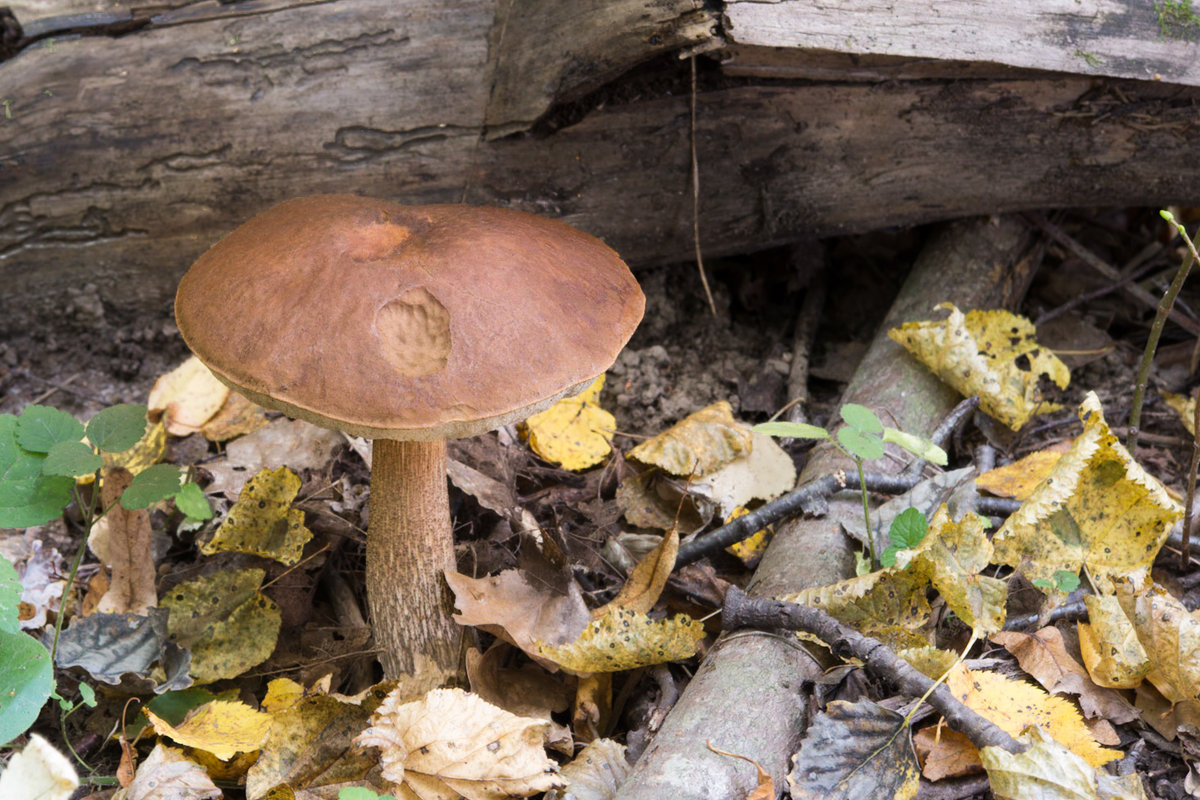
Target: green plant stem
[[858, 462], [1160, 319]]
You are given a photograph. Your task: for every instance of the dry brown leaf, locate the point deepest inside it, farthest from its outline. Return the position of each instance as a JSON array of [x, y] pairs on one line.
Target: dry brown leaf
[[527, 691], [1043, 654], [237, 416], [452, 744], [945, 753], [593, 706], [121, 539], [509, 606], [188, 396], [646, 582], [699, 444]]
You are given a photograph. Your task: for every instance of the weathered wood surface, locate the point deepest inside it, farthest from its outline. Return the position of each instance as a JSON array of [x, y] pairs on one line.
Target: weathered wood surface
[[1115, 38], [123, 157]]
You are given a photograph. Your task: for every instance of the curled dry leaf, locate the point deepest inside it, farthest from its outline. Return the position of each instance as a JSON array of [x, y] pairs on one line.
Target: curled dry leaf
[[452, 744], [646, 582], [699, 444], [1185, 407], [1097, 509], [1171, 637], [992, 354], [236, 417], [188, 396]]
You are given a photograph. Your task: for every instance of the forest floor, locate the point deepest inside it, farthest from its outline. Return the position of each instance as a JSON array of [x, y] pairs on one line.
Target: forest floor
[[683, 358]]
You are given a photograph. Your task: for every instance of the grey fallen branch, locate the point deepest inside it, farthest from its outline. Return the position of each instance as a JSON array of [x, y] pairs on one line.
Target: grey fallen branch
[[743, 611]]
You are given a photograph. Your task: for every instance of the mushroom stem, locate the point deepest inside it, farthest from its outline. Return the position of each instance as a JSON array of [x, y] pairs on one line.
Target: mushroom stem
[[409, 544]]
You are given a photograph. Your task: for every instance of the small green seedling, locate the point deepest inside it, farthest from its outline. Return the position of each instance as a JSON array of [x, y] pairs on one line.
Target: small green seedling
[[361, 793], [861, 438], [1064, 581], [42, 453], [906, 532]]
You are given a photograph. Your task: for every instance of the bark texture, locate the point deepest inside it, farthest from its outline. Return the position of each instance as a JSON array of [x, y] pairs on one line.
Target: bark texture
[[975, 264], [410, 543]]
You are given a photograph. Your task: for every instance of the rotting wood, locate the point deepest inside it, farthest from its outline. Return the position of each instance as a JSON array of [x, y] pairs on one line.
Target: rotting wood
[[974, 264], [104, 182]]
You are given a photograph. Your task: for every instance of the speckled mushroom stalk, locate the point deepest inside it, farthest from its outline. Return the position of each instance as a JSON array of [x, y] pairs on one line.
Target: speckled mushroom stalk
[[411, 542]]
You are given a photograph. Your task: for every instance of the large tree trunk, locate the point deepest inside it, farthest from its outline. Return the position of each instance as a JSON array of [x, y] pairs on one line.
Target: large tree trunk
[[130, 141]]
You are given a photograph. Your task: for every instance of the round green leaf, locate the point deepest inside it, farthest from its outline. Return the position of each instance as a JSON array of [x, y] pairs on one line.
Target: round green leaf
[[15, 462], [41, 427], [33, 501], [791, 430], [861, 445], [151, 485], [192, 502], [71, 459], [861, 418], [10, 597], [916, 445], [26, 680], [118, 428]]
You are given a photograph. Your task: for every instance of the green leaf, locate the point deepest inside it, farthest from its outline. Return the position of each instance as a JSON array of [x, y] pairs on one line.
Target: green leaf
[[33, 501], [916, 445], [191, 501], [118, 428], [87, 695], [41, 427], [151, 485], [791, 430], [26, 681], [71, 459], [888, 557], [861, 418], [862, 445], [1066, 581], [908, 529], [10, 597], [361, 793], [15, 462]]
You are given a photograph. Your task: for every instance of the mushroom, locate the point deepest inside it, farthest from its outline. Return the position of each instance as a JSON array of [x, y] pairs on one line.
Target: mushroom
[[407, 325]]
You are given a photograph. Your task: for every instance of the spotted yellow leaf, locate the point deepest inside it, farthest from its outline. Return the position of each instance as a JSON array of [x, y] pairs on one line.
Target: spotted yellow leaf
[[1171, 637], [1098, 509], [888, 605], [223, 728], [625, 639], [750, 549], [952, 555], [992, 354], [1013, 704], [574, 432], [262, 522], [1111, 652], [698, 444]]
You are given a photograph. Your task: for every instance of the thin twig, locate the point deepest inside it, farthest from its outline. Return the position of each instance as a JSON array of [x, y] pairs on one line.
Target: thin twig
[[712, 306], [1185, 548], [1160, 320], [802, 339], [743, 611]]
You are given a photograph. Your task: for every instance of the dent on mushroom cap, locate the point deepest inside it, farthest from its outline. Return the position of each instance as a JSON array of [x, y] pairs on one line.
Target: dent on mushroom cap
[[377, 239], [414, 333]]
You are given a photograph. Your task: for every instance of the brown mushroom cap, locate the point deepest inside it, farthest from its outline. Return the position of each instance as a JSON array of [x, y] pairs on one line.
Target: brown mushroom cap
[[406, 322]]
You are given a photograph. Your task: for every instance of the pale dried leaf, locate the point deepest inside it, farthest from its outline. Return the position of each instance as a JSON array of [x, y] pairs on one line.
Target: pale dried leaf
[[699, 444], [1171, 637], [1049, 771], [188, 396], [1109, 645], [595, 774], [168, 774], [764, 473], [38, 772], [293, 443], [452, 744]]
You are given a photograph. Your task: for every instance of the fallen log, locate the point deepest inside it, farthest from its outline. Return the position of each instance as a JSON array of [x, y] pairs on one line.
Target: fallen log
[[974, 264]]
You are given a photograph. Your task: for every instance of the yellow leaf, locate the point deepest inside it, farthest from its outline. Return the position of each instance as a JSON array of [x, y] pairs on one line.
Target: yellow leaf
[[952, 556], [452, 744], [261, 522], [989, 353], [309, 753], [646, 582], [221, 727], [1185, 407], [236, 417], [1049, 771], [188, 396], [932, 662], [1171, 637], [1109, 645], [698, 444], [1012, 705], [574, 432], [888, 605], [624, 639], [282, 693], [226, 622], [1018, 479], [1098, 509], [750, 549]]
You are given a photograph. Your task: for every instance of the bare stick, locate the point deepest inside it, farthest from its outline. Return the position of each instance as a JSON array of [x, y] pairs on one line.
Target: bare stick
[[712, 306]]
